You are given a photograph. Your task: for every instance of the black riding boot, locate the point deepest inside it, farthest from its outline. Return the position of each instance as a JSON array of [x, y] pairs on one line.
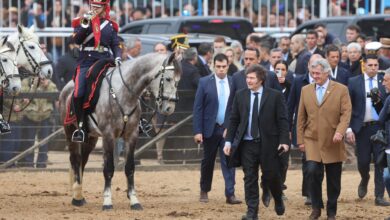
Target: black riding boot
[[4, 126], [79, 134]]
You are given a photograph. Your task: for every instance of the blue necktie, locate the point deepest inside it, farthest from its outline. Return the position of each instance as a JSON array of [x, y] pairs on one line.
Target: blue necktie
[[221, 103], [320, 94], [374, 114]]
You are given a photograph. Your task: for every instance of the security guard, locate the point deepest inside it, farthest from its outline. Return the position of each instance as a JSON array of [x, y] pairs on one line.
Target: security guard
[[373, 48], [97, 36]]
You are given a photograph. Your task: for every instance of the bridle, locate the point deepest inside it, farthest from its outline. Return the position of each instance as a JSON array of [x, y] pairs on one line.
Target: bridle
[[33, 63], [161, 97]]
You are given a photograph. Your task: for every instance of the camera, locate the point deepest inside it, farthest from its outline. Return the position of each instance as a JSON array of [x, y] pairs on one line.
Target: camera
[[279, 73], [379, 138], [374, 94]]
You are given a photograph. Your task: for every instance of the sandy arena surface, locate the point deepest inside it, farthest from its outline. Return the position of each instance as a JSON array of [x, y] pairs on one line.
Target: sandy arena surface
[[164, 195]]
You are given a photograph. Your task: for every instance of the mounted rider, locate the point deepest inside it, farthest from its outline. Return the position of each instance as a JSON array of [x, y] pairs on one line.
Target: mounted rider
[[97, 36]]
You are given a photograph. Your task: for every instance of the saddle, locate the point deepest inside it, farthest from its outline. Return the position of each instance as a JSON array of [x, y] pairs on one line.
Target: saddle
[[95, 76]]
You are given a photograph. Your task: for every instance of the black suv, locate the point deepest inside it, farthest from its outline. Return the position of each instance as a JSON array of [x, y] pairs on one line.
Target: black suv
[[376, 26], [149, 40], [234, 27]]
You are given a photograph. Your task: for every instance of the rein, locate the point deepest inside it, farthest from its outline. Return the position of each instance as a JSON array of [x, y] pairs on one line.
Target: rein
[[33, 63]]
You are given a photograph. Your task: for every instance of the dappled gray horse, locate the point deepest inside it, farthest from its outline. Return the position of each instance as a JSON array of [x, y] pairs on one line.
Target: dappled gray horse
[[9, 74], [119, 117]]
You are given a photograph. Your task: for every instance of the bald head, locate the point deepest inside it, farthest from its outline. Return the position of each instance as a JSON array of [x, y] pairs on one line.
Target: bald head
[[297, 43]]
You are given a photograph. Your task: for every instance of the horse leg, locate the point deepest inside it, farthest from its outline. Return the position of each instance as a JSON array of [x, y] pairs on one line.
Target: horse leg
[[129, 171], [76, 174], [79, 154], [108, 171]]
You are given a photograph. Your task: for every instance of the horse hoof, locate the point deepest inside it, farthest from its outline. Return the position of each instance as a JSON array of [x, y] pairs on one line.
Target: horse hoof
[[76, 202], [107, 207], [136, 207]]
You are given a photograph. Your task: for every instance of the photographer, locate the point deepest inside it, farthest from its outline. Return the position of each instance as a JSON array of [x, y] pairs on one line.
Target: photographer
[[384, 118]]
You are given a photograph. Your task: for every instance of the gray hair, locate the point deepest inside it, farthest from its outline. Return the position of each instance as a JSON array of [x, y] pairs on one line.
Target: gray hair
[[236, 44], [276, 50], [354, 45], [190, 54], [323, 63], [387, 72], [130, 42]]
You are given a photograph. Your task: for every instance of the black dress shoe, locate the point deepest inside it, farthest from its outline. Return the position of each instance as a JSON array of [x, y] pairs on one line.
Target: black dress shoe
[[246, 217], [279, 207], [381, 202], [232, 200], [266, 197], [203, 197], [362, 189], [78, 136], [315, 214]]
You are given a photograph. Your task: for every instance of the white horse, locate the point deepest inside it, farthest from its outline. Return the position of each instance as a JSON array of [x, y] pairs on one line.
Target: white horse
[[117, 115], [29, 54], [9, 74]]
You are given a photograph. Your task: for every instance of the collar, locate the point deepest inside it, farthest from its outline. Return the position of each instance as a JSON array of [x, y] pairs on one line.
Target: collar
[[219, 79], [260, 90], [202, 59], [325, 86], [366, 77], [313, 50], [311, 80]]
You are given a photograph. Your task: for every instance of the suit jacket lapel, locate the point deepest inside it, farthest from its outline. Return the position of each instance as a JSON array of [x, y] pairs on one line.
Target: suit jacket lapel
[[328, 91], [247, 101], [264, 96], [313, 95], [381, 88], [213, 87]]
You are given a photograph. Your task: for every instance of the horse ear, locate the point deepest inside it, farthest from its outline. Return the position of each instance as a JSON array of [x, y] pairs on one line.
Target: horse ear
[[20, 29], [10, 45], [171, 57], [32, 28], [5, 40]]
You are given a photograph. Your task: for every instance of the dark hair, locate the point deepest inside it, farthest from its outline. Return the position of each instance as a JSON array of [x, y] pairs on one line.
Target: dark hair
[[312, 32], [220, 57], [362, 36], [281, 62], [220, 39], [354, 27], [253, 49], [204, 48], [319, 25], [255, 39], [331, 48], [259, 70]]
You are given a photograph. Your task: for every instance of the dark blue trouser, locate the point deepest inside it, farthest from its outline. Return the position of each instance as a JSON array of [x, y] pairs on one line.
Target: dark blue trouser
[[364, 150], [9, 143], [386, 175], [315, 174], [32, 129], [211, 146], [80, 82]]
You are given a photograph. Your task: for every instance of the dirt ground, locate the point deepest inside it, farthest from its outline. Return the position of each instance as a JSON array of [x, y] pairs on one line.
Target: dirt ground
[[163, 194]]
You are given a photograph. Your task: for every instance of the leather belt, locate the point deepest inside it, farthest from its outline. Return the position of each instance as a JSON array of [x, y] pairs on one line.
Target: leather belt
[[370, 123], [99, 49]]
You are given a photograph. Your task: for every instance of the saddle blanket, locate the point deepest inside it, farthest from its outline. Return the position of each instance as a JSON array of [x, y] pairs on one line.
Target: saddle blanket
[[95, 76]]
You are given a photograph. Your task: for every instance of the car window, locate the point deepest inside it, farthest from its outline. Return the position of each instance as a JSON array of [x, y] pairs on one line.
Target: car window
[[160, 28], [375, 27], [135, 30], [237, 30], [336, 28]]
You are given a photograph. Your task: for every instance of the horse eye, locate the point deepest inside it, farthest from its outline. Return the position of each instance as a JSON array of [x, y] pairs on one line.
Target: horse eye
[[4, 60], [168, 79], [31, 47]]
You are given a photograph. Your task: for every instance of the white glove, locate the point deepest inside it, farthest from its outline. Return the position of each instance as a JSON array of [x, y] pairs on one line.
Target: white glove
[[118, 61]]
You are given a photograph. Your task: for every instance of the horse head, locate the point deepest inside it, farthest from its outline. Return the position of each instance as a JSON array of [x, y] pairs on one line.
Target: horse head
[[30, 55], [9, 74], [165, 85]]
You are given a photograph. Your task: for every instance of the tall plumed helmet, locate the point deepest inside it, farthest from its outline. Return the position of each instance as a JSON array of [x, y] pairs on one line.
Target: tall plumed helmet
[[101, 3]]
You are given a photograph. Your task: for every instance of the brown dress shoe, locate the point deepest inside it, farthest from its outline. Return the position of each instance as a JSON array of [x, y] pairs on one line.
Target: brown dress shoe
[[315, 214], [232, 200], [203, 197]]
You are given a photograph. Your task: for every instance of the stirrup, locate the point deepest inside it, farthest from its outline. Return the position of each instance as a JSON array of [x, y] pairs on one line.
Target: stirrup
[[144, 126], [4, 127], [78, 136]]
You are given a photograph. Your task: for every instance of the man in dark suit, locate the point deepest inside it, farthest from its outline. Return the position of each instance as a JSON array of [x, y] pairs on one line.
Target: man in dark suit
[[205, 52], [339, 73], [364, 123], [258, 129], [251, 57], [208, 124], [284, 44], [190, 78], [311, 43], [303, 55], [292, 104]]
